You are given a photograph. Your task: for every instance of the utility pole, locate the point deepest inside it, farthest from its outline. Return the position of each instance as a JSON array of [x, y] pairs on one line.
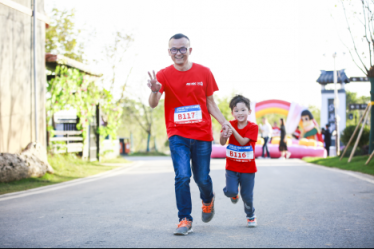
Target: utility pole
[[336, 105], [35, 71]]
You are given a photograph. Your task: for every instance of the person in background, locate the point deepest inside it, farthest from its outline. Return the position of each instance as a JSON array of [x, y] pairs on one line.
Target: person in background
[[276, 130], [297, 133], [266, 132], [283, 141], [327, 139]]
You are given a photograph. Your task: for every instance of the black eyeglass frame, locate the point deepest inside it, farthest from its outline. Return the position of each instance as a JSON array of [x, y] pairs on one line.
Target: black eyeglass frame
[[179, 49]]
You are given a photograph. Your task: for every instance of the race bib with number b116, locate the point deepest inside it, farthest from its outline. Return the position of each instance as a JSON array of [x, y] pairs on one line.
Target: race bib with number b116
[[188, 114], [239, 153]]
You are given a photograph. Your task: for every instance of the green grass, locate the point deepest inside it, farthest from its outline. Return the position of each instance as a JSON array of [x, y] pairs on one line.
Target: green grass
[[67, 168], [152, 153], [357, 163]]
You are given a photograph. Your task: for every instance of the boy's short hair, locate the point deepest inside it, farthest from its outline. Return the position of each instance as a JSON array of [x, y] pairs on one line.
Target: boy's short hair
[[240, 99]]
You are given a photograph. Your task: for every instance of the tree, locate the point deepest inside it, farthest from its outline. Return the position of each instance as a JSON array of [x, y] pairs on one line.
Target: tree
[[62, 36], [364, 16], [352, 98], [142, 114], [114, 54]]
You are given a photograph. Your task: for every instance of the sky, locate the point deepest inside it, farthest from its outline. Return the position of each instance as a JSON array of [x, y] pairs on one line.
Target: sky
[[263, 49]]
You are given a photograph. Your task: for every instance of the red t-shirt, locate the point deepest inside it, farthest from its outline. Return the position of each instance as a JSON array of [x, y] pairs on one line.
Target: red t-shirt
[[243, 157], [186, 92]]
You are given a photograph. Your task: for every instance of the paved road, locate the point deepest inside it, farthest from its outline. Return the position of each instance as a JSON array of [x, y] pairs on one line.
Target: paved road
[[298, 205]]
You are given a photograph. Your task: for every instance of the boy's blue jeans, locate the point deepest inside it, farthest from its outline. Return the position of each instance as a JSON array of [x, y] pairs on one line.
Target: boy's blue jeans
[[247, 183], [183, 150]]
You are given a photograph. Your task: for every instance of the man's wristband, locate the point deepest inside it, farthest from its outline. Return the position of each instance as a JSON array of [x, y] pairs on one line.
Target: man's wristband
[[155, 92]]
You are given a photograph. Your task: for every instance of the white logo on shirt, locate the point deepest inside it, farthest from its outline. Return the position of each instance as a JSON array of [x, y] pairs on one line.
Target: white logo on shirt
[[195, 83]]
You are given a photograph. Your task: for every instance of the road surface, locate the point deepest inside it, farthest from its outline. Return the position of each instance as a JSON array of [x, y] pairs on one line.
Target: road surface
[[297, 205]]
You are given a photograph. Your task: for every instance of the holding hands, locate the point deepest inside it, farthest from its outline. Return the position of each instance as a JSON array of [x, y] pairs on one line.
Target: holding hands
[[226, 130]]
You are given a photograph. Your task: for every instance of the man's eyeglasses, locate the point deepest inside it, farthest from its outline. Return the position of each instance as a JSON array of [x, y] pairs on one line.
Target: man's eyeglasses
[[182, 50]]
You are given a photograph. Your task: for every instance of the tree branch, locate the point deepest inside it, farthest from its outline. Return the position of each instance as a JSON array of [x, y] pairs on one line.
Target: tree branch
[[366, 28], [353, 40]]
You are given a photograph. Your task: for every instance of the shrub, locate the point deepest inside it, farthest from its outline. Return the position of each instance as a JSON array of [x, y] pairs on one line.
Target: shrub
[[348, 131]]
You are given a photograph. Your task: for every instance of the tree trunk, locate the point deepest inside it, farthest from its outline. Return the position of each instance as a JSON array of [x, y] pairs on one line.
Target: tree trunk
[[148, 141]]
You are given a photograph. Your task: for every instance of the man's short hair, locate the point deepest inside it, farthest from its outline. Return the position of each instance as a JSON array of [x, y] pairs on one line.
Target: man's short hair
[[240, 99], [179, 36]]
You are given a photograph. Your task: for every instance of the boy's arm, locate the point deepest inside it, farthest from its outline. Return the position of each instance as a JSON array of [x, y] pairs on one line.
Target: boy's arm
[[223, 139], [242, 140]]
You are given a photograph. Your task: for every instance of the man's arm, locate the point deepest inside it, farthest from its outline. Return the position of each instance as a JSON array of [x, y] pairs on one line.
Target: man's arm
[[216, 113], [154, 99], [155, 87]]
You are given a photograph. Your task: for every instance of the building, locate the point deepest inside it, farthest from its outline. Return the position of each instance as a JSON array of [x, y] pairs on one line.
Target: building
[[17, 95]]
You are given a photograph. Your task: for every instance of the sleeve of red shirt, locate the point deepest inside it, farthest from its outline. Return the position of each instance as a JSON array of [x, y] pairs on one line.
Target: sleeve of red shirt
[[161, 80], [252, 133], [211, 84]]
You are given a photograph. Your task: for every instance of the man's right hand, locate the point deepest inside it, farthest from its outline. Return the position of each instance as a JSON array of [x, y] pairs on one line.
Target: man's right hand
[[153, 84]]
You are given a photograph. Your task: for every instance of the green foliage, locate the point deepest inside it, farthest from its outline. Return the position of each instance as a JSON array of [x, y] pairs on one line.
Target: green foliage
[[61, 36], [352, 98], [71, 89], [141, 121], [357, 163], [67, 167], [348, 132]]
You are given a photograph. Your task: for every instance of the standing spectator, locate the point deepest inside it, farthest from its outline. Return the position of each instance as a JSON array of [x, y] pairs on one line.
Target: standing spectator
[[327, 139], [276, 130], [283, 142], [266, 131]]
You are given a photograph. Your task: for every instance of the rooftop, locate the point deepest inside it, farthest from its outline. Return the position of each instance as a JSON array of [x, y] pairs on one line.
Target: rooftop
[[327, 77]]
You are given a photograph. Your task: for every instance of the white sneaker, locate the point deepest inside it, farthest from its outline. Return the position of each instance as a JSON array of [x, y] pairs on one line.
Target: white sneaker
[[252, 222], [288, 155]]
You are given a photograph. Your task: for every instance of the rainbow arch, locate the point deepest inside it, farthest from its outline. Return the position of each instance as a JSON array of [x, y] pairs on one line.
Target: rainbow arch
[[272, 106]]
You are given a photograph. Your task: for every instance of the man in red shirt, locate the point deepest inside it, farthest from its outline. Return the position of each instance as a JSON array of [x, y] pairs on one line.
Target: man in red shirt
[[189, 102]]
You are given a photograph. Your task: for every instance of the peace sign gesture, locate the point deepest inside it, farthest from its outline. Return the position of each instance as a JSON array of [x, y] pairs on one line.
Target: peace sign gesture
[[153, 83]]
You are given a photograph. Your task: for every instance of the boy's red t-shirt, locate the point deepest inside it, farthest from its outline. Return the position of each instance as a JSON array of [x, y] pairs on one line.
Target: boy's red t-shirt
[[186, 92], [251, 132]]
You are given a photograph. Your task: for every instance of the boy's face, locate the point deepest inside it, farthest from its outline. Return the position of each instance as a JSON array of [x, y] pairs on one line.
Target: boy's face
[[241, 112]]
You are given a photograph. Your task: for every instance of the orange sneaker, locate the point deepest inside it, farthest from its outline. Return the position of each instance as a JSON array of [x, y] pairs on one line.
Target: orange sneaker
[[235, 199], [208, 211], [184, 227]]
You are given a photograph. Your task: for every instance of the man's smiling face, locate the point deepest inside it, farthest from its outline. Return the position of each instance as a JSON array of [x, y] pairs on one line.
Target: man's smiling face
[[179, 58]]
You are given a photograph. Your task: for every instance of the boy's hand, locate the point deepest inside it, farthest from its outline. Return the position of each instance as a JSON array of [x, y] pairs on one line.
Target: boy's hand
[[226, 130]]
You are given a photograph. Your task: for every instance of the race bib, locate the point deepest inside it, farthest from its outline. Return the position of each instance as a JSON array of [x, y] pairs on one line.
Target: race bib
[[188, 114], [239, 153]]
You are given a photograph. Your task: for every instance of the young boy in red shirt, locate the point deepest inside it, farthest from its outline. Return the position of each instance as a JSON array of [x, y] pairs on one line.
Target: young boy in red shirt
[[240, 157]]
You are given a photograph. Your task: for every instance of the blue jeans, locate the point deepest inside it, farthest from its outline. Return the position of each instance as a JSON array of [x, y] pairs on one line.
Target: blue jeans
[[183, 150], [247, 183], [265, 147]]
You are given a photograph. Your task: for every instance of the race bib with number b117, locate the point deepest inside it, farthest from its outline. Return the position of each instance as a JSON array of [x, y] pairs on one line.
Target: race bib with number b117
[[188, 114], [239, 153]]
